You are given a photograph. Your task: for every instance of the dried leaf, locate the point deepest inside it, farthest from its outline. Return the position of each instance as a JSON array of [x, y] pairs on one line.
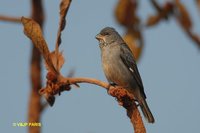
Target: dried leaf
[[34, 32], [56, 58], [183, 15], [153, 20], [125, 12], [64, 6]]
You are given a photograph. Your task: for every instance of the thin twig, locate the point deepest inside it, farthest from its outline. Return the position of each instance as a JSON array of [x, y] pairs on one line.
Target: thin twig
[[10, 19], [156, 5], [86, 80]]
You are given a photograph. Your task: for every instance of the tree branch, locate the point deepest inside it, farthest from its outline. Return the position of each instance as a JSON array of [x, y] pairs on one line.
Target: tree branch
[[57, 84], [35, 105]]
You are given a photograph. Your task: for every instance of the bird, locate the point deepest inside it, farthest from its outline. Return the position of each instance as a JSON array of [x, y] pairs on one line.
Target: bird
[[120, 67]]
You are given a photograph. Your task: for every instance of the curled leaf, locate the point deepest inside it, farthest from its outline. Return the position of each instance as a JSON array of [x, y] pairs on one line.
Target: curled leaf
[[34, 32], [64, 6]]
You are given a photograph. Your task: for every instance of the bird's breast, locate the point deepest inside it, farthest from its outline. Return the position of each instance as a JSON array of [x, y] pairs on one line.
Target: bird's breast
[[114, 69]]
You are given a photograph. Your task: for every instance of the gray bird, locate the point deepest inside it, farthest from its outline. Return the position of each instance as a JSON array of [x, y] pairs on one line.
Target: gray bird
[[120, 67]]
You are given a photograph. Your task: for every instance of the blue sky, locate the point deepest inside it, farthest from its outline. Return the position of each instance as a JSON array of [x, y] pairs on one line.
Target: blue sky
[[169, 68]]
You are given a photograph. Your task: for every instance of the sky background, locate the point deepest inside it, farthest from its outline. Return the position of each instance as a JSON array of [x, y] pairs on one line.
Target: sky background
[[169, 68]]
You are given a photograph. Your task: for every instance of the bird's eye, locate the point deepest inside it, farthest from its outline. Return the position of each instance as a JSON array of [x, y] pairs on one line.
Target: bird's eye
[[106, 33]]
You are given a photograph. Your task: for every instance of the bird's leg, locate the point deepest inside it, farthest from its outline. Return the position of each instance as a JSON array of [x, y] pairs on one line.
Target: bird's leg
[[111, 84]]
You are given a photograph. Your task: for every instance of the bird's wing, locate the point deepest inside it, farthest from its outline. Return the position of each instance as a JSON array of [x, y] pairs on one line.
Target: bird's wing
[[128, 59]]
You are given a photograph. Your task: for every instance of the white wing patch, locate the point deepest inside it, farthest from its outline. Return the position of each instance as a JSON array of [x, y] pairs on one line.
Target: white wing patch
[[131, 69]]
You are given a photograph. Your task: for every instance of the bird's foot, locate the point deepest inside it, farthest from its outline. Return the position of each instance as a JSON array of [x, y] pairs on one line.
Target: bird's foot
[[113, 84]]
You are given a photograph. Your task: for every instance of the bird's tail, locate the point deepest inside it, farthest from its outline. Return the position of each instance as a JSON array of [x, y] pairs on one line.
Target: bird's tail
[[146, 111]]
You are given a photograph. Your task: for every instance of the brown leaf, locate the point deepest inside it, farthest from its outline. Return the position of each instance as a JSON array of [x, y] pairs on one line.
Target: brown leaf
[[125, 12], [183, 15], [64, 6], [34, 32], [153, 20]]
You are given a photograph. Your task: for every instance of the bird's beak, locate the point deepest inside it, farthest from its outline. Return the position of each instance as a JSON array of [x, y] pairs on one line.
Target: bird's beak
[[99, 37]]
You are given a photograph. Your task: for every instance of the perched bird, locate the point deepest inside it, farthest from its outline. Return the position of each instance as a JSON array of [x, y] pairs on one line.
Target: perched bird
[[120, 67]]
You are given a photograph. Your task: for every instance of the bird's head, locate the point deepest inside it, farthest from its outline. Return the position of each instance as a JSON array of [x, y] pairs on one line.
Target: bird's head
[[108, 36]]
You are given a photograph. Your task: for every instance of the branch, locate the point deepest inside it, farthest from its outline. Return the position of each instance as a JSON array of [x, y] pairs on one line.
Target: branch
[[127, 101], [10, 19], [57, 84], [35, 105], [72, 81]]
